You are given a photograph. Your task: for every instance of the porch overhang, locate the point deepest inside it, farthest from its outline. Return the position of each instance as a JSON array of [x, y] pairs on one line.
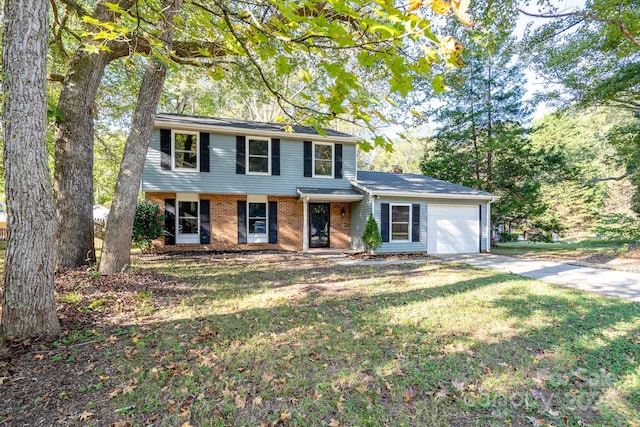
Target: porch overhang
[[328, 195]]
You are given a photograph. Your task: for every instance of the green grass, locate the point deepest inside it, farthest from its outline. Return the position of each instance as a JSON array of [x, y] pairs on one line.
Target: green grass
[[584, 248], [306, 344]]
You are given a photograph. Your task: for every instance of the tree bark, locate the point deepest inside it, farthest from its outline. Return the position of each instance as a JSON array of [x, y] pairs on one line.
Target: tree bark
[[73, 171], [116, 251], [28, 300], [74, 133]]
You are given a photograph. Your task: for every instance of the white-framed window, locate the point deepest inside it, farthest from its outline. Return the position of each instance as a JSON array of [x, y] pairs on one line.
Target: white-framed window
[[400, 219], [187, 218], [257, 219], [323, 159], [259, 156], [185, 147]]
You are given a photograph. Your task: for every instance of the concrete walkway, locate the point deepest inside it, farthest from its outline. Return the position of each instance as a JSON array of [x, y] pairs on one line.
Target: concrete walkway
[[620, 284]]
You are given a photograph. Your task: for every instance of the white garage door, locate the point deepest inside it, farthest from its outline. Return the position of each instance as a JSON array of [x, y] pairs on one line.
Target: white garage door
[[453, 229]]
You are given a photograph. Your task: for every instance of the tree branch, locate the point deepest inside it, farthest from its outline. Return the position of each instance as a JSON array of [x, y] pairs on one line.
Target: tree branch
[[58, 78], [610, 178], [73, 5], [588, 15], [279, 96]]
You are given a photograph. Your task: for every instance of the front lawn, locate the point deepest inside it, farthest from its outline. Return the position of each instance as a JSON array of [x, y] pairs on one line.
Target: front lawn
[[292, 340], [593, 251]]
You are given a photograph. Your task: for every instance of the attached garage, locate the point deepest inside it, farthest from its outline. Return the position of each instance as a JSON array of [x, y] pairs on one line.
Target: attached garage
[[453, 229], [417, 213]]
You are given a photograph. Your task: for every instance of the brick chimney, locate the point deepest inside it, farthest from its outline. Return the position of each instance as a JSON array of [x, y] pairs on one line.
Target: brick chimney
[[396, 169]]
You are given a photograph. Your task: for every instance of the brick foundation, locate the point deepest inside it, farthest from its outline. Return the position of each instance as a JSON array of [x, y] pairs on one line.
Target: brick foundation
[[224, 224]]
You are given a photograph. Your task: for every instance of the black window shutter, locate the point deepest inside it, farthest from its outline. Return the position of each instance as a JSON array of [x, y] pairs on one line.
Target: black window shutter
[[384, 221], [415, 223], [241, 156], [273, 222], [204, 152], [205, 222], [165, 149], [308, 158], [170, 221], [275, 157], [338, 161], [242, 222]]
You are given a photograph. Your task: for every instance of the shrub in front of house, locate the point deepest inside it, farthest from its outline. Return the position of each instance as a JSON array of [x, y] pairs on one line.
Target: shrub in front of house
[[148, 224], [371, 236]]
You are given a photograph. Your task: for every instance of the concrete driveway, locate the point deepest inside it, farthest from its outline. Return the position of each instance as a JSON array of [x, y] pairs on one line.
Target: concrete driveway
[[620, 284]]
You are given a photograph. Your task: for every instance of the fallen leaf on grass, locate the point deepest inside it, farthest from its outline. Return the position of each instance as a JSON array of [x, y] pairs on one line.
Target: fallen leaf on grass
[[408, 395], [257, 401], [458, 385], [240, 402], [284, 416], [267, 377], [128, 389], [86, 415], [340, 403]]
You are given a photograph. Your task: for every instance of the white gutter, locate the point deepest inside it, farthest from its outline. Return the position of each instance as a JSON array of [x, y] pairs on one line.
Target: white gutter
[[428, 195], [230, 130], [322, 198], [393, 193]]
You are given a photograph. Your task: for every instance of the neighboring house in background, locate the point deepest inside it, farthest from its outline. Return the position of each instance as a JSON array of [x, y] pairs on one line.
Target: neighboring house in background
[[229, 184], [3, 215], [100, 214], [3, 221]]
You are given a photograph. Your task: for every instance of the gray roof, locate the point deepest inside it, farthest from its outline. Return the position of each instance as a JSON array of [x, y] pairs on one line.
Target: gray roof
[[418, 185], [244, 124]]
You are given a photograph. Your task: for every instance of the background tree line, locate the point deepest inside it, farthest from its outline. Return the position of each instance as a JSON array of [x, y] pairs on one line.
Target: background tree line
[[571, 172]]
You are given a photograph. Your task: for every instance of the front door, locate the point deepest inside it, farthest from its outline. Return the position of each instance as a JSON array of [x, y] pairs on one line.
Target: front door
[[319, 225]]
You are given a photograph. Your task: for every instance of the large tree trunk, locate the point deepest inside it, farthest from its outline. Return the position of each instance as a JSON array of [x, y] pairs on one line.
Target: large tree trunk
[[116, 251], [73, 172], [28, 302], [74, 133]]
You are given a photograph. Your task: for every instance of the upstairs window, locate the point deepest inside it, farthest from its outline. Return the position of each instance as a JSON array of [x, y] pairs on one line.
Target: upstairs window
[[258, 156], [322, 160], [185, 150]]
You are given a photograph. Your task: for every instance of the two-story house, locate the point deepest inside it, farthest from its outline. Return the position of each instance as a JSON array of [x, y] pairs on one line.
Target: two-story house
[[229, 184]]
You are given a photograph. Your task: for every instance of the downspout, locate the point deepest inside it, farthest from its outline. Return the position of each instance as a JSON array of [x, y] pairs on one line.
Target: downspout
[[305, 224]]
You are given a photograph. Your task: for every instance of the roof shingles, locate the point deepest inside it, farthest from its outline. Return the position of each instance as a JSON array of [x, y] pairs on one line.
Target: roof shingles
[[244, 124], [384, 182]]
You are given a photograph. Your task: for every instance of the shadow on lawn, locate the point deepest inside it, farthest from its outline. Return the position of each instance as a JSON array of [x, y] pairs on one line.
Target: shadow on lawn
[[328, 351], [561, 374]]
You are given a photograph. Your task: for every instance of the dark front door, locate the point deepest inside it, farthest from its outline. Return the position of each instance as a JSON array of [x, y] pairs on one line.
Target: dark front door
[[319, 225]]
